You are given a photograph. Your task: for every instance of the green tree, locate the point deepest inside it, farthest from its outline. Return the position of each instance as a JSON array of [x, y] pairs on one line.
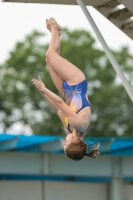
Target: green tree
[[112, 110]]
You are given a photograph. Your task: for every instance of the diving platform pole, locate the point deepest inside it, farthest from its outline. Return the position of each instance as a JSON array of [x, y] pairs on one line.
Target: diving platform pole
[[110, 55]]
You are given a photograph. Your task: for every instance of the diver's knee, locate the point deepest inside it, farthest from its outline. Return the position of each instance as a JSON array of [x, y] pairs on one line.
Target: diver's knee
[[50, 53], [46, 60]]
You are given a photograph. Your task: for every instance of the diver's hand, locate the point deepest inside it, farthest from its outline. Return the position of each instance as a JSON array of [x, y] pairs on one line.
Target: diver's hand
[[39, 85]]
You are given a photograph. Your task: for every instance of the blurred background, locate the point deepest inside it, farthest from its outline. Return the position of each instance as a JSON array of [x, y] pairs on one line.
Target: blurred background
[[26, 119], [24, 40]]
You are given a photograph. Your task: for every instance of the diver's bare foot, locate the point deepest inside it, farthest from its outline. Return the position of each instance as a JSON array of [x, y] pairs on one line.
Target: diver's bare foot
[[47, 24], [52, 23]]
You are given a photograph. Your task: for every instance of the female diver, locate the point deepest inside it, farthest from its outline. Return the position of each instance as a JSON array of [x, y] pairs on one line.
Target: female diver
[[75, 111]]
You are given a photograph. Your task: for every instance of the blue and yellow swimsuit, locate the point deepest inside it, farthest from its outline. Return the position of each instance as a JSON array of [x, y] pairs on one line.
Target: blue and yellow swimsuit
[[75, 98]]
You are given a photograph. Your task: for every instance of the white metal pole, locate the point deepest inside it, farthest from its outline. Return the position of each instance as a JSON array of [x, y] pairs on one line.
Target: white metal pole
[[116, 189], [110, 55], [116, 185]]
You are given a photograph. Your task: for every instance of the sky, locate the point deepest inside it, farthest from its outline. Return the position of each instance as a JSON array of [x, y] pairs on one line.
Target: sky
[[19, 19]]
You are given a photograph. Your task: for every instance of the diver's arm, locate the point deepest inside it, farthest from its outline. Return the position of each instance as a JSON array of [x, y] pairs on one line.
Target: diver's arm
[[51, 103], [75, 120], [40, 86]]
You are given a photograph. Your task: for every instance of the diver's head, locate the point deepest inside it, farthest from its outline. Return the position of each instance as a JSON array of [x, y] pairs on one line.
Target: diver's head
[[75, 148]]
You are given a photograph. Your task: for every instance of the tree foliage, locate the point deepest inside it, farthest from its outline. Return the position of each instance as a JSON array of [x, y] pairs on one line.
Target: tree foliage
[[112, 110]]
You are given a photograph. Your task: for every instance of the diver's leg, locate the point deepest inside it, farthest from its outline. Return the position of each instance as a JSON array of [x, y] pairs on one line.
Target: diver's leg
[[66, 70], [57, 80]]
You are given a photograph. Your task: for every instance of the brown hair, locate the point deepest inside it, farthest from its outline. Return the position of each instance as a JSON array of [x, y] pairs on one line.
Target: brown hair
[[76, 151]]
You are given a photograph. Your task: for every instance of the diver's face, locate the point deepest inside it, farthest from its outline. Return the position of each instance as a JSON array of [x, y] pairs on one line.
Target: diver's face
[[69, 139]]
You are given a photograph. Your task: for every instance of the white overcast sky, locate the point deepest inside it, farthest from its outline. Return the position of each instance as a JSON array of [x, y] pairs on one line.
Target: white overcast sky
[[19, 19]]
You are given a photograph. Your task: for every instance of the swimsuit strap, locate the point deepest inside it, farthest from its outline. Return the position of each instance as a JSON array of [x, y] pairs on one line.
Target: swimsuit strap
[[68, 127]]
